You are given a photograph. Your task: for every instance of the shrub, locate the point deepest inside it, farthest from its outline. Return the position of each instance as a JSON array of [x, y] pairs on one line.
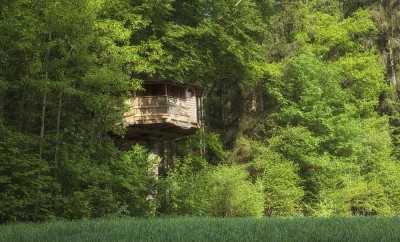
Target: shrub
[[280, 180], [389, 179], [222, 191], [176, 194], [359, 198], [231, 194], [135, 181]]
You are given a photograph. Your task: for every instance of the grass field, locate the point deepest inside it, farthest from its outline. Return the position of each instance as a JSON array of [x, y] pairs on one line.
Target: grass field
[[208, 229]]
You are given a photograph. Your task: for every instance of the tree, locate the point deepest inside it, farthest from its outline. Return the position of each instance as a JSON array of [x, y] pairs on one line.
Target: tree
[[29, 192]]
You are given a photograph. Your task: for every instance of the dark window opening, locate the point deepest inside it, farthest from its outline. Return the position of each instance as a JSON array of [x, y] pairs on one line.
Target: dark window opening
[[152, 90], [166, 89], [175, 91]]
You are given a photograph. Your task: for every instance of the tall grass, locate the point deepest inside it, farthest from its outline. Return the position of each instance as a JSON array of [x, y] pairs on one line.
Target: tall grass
[[208, 229]]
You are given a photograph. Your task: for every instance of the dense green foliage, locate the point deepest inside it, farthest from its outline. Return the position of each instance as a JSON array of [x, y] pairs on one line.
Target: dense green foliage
[[302, 108], [188, 229]]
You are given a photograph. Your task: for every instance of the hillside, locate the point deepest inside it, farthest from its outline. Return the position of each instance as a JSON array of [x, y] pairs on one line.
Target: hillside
[[300, 108]]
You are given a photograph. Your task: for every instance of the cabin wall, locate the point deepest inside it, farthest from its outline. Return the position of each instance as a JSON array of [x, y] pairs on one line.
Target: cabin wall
[[183, 110], [192, 105]]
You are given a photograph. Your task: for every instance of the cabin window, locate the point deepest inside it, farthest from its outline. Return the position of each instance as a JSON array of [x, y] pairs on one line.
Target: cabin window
[[189, 93]]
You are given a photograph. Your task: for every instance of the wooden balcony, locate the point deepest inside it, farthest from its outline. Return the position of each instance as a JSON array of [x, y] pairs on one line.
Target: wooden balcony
[[162, 116]]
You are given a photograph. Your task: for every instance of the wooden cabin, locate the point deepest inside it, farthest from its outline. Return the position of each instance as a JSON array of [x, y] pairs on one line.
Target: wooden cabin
[[164, 110]]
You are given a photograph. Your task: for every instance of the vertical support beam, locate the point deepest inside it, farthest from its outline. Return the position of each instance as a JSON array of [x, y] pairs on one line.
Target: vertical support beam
[[161, 149], [197, 109], [202, 128], [166, 97]]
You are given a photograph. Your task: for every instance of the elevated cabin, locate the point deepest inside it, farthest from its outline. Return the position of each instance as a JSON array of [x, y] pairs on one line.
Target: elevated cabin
[[164, 110]]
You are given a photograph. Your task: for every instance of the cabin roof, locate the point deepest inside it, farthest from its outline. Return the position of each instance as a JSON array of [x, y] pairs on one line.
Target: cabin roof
[[174, 83]]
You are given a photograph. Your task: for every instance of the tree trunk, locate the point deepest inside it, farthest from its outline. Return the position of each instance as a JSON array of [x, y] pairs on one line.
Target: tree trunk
[[202, 129], [393, 79], [59, 110], [42, 127], [21, 110], [1, 106], [44, 100]]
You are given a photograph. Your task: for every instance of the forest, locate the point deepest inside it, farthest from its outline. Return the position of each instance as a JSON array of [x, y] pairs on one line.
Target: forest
[[302, 108]]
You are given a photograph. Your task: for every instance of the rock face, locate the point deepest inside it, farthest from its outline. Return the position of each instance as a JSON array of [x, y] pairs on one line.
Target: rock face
[[164, 111]]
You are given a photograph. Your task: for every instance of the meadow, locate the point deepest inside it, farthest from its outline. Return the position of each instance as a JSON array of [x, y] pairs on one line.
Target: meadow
[[189, 229]]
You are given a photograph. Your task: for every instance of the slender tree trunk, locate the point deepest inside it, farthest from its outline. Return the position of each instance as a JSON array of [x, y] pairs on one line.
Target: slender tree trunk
[[253, 107], [21, 110], [393, 79], [223, 116], [59, 110], [203, 129], [387, 7], [44, 100], [261, 100], [2, 94], [1, 106], [42, 127]]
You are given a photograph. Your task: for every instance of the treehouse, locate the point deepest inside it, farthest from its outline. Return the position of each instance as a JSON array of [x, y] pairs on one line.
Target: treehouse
[[164, 110]]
